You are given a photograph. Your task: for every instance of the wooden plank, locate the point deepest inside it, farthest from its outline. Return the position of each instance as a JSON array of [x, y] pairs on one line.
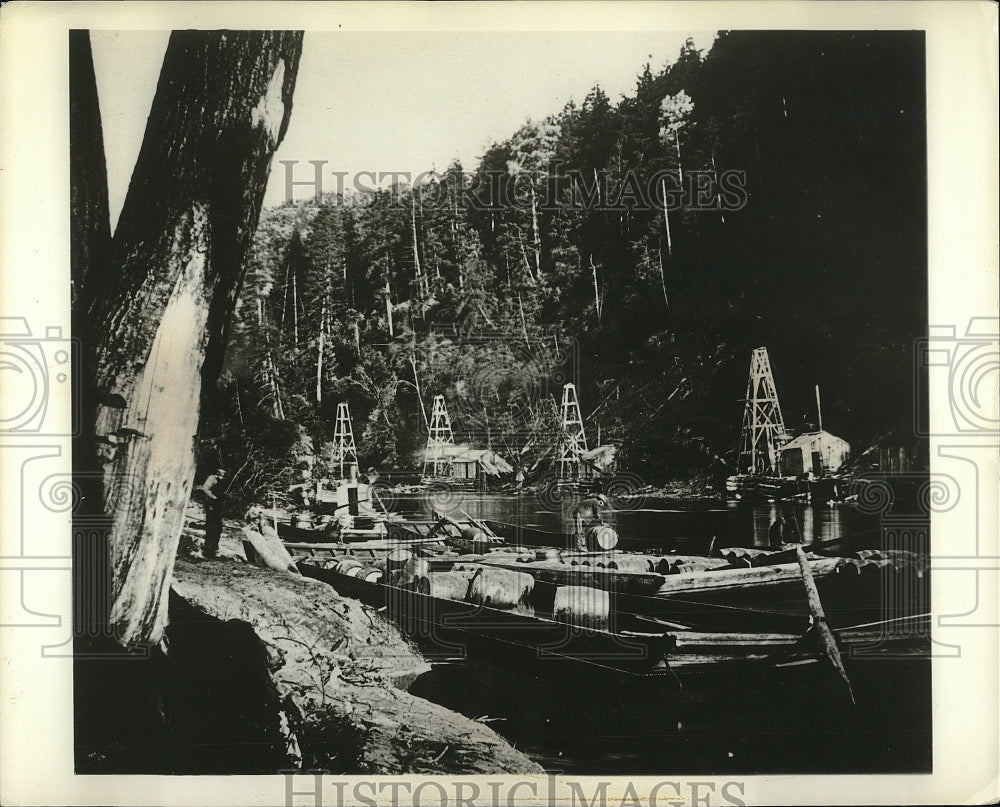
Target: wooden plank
[[720, 579]]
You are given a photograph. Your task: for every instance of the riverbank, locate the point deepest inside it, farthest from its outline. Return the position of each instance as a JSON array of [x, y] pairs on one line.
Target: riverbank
[[264, 671]]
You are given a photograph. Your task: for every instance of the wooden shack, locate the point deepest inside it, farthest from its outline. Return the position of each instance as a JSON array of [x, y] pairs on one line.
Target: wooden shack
[[817, 452]]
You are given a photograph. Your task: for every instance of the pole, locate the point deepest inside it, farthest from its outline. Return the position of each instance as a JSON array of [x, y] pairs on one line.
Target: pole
[[819, 621], [819, 409]]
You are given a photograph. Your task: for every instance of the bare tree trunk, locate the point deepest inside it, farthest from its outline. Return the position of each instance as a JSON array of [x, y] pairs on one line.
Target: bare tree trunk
[[156, 329], [319, 356], [666, 217], [284, 303], [388, 306], [420, 395], [663, 279], [597, 291], [536, 238], [524, 254], [422, 288], [295, 311]]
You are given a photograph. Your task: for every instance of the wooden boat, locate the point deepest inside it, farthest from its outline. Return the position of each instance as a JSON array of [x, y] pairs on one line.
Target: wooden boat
[[759, 598], [629, 643], [384, 530], [763, 489], [362, 550], [749, 589], [452, 627]]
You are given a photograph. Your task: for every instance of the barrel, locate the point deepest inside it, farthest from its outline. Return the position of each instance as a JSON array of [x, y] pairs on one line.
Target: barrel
[[413, 568], [371, 574], [666, 565], [346, 565], [397, 558], [601, 538], [548, 554], [452, 585], [631, 563], [582, 606], [500, 588], [688, 566]]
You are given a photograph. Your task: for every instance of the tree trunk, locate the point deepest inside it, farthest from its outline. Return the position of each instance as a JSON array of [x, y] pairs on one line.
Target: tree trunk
[[536, 239], [388, 306], [90, 225], [422, 288], [663, 277], [156, 328], [597, 290], [666, 217], [319, 356], [295, 310]]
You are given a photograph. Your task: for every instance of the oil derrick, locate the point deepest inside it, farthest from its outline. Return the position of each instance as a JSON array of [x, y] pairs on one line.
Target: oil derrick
[[344, 450], [438, 436], [763, 426], [574, 439]]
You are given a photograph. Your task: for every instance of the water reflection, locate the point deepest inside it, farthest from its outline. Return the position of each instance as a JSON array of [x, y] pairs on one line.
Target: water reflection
[[653, 521]]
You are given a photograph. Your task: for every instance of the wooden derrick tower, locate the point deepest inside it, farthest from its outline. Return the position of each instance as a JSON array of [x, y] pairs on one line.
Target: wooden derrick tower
[[763, 425], [439, 435], [344, 450], [574, 439]]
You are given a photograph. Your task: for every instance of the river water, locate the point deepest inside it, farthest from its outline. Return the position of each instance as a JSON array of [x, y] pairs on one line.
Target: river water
[[584, 720], [652, 521]]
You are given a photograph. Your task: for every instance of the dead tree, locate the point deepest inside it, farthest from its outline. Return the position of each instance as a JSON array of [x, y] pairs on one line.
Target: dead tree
[[155, 315]]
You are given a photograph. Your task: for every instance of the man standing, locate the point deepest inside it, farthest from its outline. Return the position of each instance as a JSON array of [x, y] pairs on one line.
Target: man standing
[[776, 534], [588, 513], [214, 489]]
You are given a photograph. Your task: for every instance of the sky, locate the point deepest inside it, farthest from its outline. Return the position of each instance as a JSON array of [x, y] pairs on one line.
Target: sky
[[393, 101]]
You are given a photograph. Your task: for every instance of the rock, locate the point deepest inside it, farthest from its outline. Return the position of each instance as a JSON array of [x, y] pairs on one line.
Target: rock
[[333, 663]]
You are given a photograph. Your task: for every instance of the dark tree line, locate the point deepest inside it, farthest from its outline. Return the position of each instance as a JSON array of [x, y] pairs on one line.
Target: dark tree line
[[653, 312]]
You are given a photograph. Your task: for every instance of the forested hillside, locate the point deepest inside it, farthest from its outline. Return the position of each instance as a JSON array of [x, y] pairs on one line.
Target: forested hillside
[[800, 225]]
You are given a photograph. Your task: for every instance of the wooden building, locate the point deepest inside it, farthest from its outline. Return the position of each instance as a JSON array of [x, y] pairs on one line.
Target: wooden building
[[817, 452]]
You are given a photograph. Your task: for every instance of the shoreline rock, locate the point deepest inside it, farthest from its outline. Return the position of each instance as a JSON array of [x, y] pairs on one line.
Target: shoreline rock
[[333, 663]]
